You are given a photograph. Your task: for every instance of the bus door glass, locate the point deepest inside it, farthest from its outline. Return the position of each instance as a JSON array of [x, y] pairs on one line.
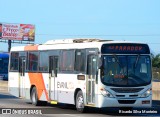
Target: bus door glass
[[91, 80], [53, 69], [22, 66]]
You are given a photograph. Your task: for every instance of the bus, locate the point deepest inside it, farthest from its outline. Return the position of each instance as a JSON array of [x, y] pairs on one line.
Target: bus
[[82, 72], [4, 60]]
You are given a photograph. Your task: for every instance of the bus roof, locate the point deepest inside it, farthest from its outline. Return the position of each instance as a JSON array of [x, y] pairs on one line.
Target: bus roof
[[69, 44], [4, 55]]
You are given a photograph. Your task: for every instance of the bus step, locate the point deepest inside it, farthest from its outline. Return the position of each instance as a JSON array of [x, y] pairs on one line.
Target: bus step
[[53, 102]]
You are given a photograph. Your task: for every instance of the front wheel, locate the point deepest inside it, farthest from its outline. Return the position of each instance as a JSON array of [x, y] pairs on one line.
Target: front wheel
[[80, 102]]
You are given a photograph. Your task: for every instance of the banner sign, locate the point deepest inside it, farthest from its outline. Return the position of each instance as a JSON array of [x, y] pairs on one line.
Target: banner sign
[[21, 32]]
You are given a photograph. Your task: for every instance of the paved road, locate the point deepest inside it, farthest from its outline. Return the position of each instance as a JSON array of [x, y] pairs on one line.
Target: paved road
[[22, 106]]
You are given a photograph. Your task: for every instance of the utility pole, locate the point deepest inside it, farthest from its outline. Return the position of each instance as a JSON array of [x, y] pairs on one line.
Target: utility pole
[[9, 45]]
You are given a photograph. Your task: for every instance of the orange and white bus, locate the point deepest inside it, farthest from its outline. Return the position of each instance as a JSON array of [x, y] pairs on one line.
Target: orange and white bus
[[83, 72]]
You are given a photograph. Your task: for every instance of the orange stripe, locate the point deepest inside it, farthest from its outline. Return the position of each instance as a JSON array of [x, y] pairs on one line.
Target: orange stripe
[[31, 47], [37, 80]]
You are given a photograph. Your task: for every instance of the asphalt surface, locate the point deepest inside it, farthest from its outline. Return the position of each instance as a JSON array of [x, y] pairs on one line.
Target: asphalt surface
[[21, 107]]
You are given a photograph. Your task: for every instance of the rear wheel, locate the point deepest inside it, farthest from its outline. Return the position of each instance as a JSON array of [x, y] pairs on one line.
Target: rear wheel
[[80, 102], [34, 98]]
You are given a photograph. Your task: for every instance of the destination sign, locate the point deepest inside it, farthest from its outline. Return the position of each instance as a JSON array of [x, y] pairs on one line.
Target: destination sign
[[126, 48]]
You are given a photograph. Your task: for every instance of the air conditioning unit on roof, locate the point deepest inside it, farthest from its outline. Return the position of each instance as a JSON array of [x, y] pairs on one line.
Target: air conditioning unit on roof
[[78, 40]]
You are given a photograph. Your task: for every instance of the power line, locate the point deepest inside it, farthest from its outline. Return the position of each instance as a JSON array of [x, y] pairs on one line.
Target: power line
[[96, 35]]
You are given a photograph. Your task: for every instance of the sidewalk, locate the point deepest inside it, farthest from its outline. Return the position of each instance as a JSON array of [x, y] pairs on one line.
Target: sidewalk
[[3, 86], [156, 90]]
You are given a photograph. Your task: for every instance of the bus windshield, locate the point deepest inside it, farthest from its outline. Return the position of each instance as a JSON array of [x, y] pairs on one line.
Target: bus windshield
[[3, 65], [124, 70]]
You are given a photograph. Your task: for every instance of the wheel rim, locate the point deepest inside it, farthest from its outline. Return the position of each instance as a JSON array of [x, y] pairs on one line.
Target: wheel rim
[[80, 103], [34, 97]]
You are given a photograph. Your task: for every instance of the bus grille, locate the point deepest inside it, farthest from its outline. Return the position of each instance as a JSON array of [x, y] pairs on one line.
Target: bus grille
[[126, 90], [126, 101]]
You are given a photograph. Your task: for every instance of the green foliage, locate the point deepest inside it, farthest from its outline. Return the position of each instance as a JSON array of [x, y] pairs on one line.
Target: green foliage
[[156, 67], [156, 60]]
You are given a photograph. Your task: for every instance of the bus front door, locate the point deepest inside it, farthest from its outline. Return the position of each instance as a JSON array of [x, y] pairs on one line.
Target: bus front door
[[53, 67], [22, 64], [91, 79]]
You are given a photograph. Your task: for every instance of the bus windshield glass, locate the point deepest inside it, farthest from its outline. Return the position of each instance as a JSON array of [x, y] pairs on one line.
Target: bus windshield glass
[[3, 65], [125, 70]]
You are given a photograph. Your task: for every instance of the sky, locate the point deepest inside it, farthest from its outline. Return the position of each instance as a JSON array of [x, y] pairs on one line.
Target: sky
[[130, 20]]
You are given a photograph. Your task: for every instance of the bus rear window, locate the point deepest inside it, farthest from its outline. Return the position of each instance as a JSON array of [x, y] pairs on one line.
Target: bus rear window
[[14, 61]]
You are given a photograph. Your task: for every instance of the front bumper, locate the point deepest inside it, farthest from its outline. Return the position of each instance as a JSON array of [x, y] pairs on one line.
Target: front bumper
[[124, 102]]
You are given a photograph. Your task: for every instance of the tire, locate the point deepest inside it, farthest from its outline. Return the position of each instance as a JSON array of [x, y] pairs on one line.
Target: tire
[[80, 102], [34, 98]]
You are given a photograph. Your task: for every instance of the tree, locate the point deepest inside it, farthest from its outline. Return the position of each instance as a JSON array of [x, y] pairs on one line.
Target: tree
[[156, 60]]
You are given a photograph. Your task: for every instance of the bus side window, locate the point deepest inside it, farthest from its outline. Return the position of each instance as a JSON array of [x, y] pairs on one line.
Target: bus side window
[[33, 61], [80, 60], [14, 61], [43, 65], [67, 61], [34, 67]]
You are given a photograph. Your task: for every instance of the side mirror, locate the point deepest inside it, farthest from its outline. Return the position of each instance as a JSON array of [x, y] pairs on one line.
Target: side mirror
[[99, 63]]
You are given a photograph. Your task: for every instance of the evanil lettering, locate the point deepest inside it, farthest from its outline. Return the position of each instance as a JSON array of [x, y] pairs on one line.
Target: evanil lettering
[[67, 85]]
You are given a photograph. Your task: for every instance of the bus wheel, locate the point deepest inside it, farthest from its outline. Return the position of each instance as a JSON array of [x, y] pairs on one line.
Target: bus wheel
[[34, 98], [80, 102]]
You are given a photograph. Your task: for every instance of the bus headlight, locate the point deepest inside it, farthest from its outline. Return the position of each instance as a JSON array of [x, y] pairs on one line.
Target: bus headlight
[[147, 93], [106, 93]]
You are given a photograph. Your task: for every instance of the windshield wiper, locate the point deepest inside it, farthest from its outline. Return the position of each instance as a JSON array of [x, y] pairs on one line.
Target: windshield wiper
[[136, 61], [118, 61]]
